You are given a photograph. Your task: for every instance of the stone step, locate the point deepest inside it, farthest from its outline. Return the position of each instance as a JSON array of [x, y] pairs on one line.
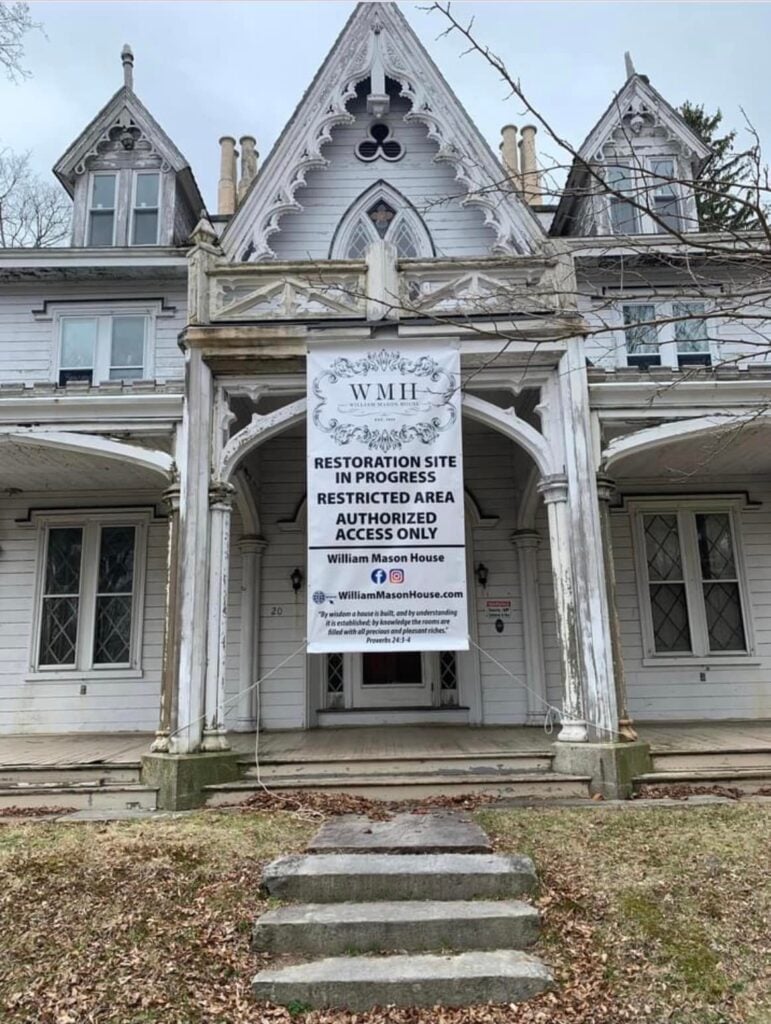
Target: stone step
[[331, 877], [359, 983], [81, 797], [746, 780], [69, 774], [536, 785], [437, 832], [314, 929]]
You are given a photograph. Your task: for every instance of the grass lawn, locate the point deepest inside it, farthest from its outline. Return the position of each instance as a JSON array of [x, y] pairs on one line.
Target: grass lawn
[[657, 916]]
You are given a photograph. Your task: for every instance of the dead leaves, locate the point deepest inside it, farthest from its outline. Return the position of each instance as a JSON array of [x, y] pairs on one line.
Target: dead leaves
[[313, 803]]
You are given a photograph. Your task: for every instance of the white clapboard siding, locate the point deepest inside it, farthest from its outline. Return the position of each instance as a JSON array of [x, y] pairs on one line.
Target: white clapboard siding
[[28, 345], [281, 474], [430, 186], [488, 476], [737, 690], [50, 705]]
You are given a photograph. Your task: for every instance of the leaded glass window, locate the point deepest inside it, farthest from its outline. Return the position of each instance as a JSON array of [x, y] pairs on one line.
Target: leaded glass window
[[693, 582], [720, 582], [335, 681], [114, 597], [448, 679], [88, 598], [61, 597], [404, 240], [359, 242], [666, 582]]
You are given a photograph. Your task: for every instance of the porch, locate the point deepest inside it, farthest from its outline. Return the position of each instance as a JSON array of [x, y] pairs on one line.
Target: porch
[[409, 762]]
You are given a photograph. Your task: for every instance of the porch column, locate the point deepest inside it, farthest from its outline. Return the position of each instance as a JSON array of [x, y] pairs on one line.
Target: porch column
[[555, 495], [590, 589], [526, 542], [606, 489], [251, 591], [167, 715], [221, 505], [193, 462]]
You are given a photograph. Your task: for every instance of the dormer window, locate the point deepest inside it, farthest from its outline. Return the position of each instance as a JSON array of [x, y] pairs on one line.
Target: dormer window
[[144, 225], [624, 216], [101, 217], [664, 201]]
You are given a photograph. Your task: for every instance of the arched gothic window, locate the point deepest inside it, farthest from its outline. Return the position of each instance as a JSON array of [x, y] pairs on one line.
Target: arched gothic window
[[381, 212]]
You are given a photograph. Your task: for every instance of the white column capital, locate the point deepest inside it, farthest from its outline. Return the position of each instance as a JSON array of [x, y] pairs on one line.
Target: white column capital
[[252, 545], [554, 488], [524, 539], [606, 488], [221, 496]]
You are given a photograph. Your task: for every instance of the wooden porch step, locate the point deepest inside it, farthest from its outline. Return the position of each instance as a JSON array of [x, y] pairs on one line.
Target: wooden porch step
[[70, 774], [542, 785], [747, 780], [86, 796], [698, 760], [410, 765]]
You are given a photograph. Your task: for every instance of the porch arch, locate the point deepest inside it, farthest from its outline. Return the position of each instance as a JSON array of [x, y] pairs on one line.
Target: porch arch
[[649, 438], [115, 451], [504, 421]]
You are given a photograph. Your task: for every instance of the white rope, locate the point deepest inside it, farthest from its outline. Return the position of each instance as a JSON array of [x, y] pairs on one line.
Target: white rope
[[552, 711]]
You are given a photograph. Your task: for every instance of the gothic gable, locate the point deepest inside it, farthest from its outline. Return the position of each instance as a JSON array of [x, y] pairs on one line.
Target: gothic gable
[[379, 86]]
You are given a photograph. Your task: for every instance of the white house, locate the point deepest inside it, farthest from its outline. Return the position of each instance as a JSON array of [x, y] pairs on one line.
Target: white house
[[617, 465]]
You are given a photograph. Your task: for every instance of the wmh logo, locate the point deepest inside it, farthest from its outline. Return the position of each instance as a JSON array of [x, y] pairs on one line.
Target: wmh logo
[[395, 391]]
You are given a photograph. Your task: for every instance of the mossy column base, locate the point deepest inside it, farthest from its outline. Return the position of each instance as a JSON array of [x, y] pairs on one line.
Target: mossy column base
[[180, 778], [611, 766]]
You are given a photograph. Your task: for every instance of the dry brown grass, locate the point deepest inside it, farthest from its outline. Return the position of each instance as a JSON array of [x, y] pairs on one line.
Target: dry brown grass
[[651, 916]]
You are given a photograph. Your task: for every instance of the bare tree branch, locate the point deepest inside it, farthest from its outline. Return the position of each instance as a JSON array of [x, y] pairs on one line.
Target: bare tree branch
[[33, 212]]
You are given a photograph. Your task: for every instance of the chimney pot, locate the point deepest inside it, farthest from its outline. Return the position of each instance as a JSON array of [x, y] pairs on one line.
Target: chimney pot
[[226, 190], [249, 156], [127, 60], [531, 177], [510, 155]]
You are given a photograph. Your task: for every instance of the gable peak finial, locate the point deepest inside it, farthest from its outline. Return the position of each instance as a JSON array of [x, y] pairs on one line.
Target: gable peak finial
[[127, 60], [629, 63]]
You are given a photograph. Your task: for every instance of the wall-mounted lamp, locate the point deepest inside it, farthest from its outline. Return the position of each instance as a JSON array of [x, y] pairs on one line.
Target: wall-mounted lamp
[[482, 573], [297, 579]]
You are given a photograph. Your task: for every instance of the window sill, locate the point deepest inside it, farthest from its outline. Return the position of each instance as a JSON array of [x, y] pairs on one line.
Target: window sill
[[92, 676], [709, 662]]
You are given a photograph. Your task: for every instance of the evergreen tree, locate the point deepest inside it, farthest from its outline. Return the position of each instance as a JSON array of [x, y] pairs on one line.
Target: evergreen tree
[[727, 185]]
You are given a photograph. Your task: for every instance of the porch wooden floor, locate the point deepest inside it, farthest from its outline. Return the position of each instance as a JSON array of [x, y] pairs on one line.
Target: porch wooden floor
[[380, 743]]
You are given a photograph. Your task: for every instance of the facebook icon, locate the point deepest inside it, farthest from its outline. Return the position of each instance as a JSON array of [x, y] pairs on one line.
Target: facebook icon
[[378, 576]]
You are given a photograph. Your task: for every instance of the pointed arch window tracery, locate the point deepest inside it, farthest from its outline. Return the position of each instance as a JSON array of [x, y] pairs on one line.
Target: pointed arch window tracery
[[381, 212]]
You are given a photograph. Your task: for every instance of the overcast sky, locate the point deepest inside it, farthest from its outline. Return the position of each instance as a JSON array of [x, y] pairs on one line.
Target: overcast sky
[[207, 69]]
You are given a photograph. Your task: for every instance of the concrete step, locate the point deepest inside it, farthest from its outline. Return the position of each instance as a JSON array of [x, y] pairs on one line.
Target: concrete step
[[747, 780], [359, 983], [535, 785], [392, 766], [314, 929], [81, 797], [69, 774], [707, 760], [331, 877]]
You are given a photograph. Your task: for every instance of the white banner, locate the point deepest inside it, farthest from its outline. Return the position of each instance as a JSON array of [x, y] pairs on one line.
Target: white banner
[[386, 536]]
